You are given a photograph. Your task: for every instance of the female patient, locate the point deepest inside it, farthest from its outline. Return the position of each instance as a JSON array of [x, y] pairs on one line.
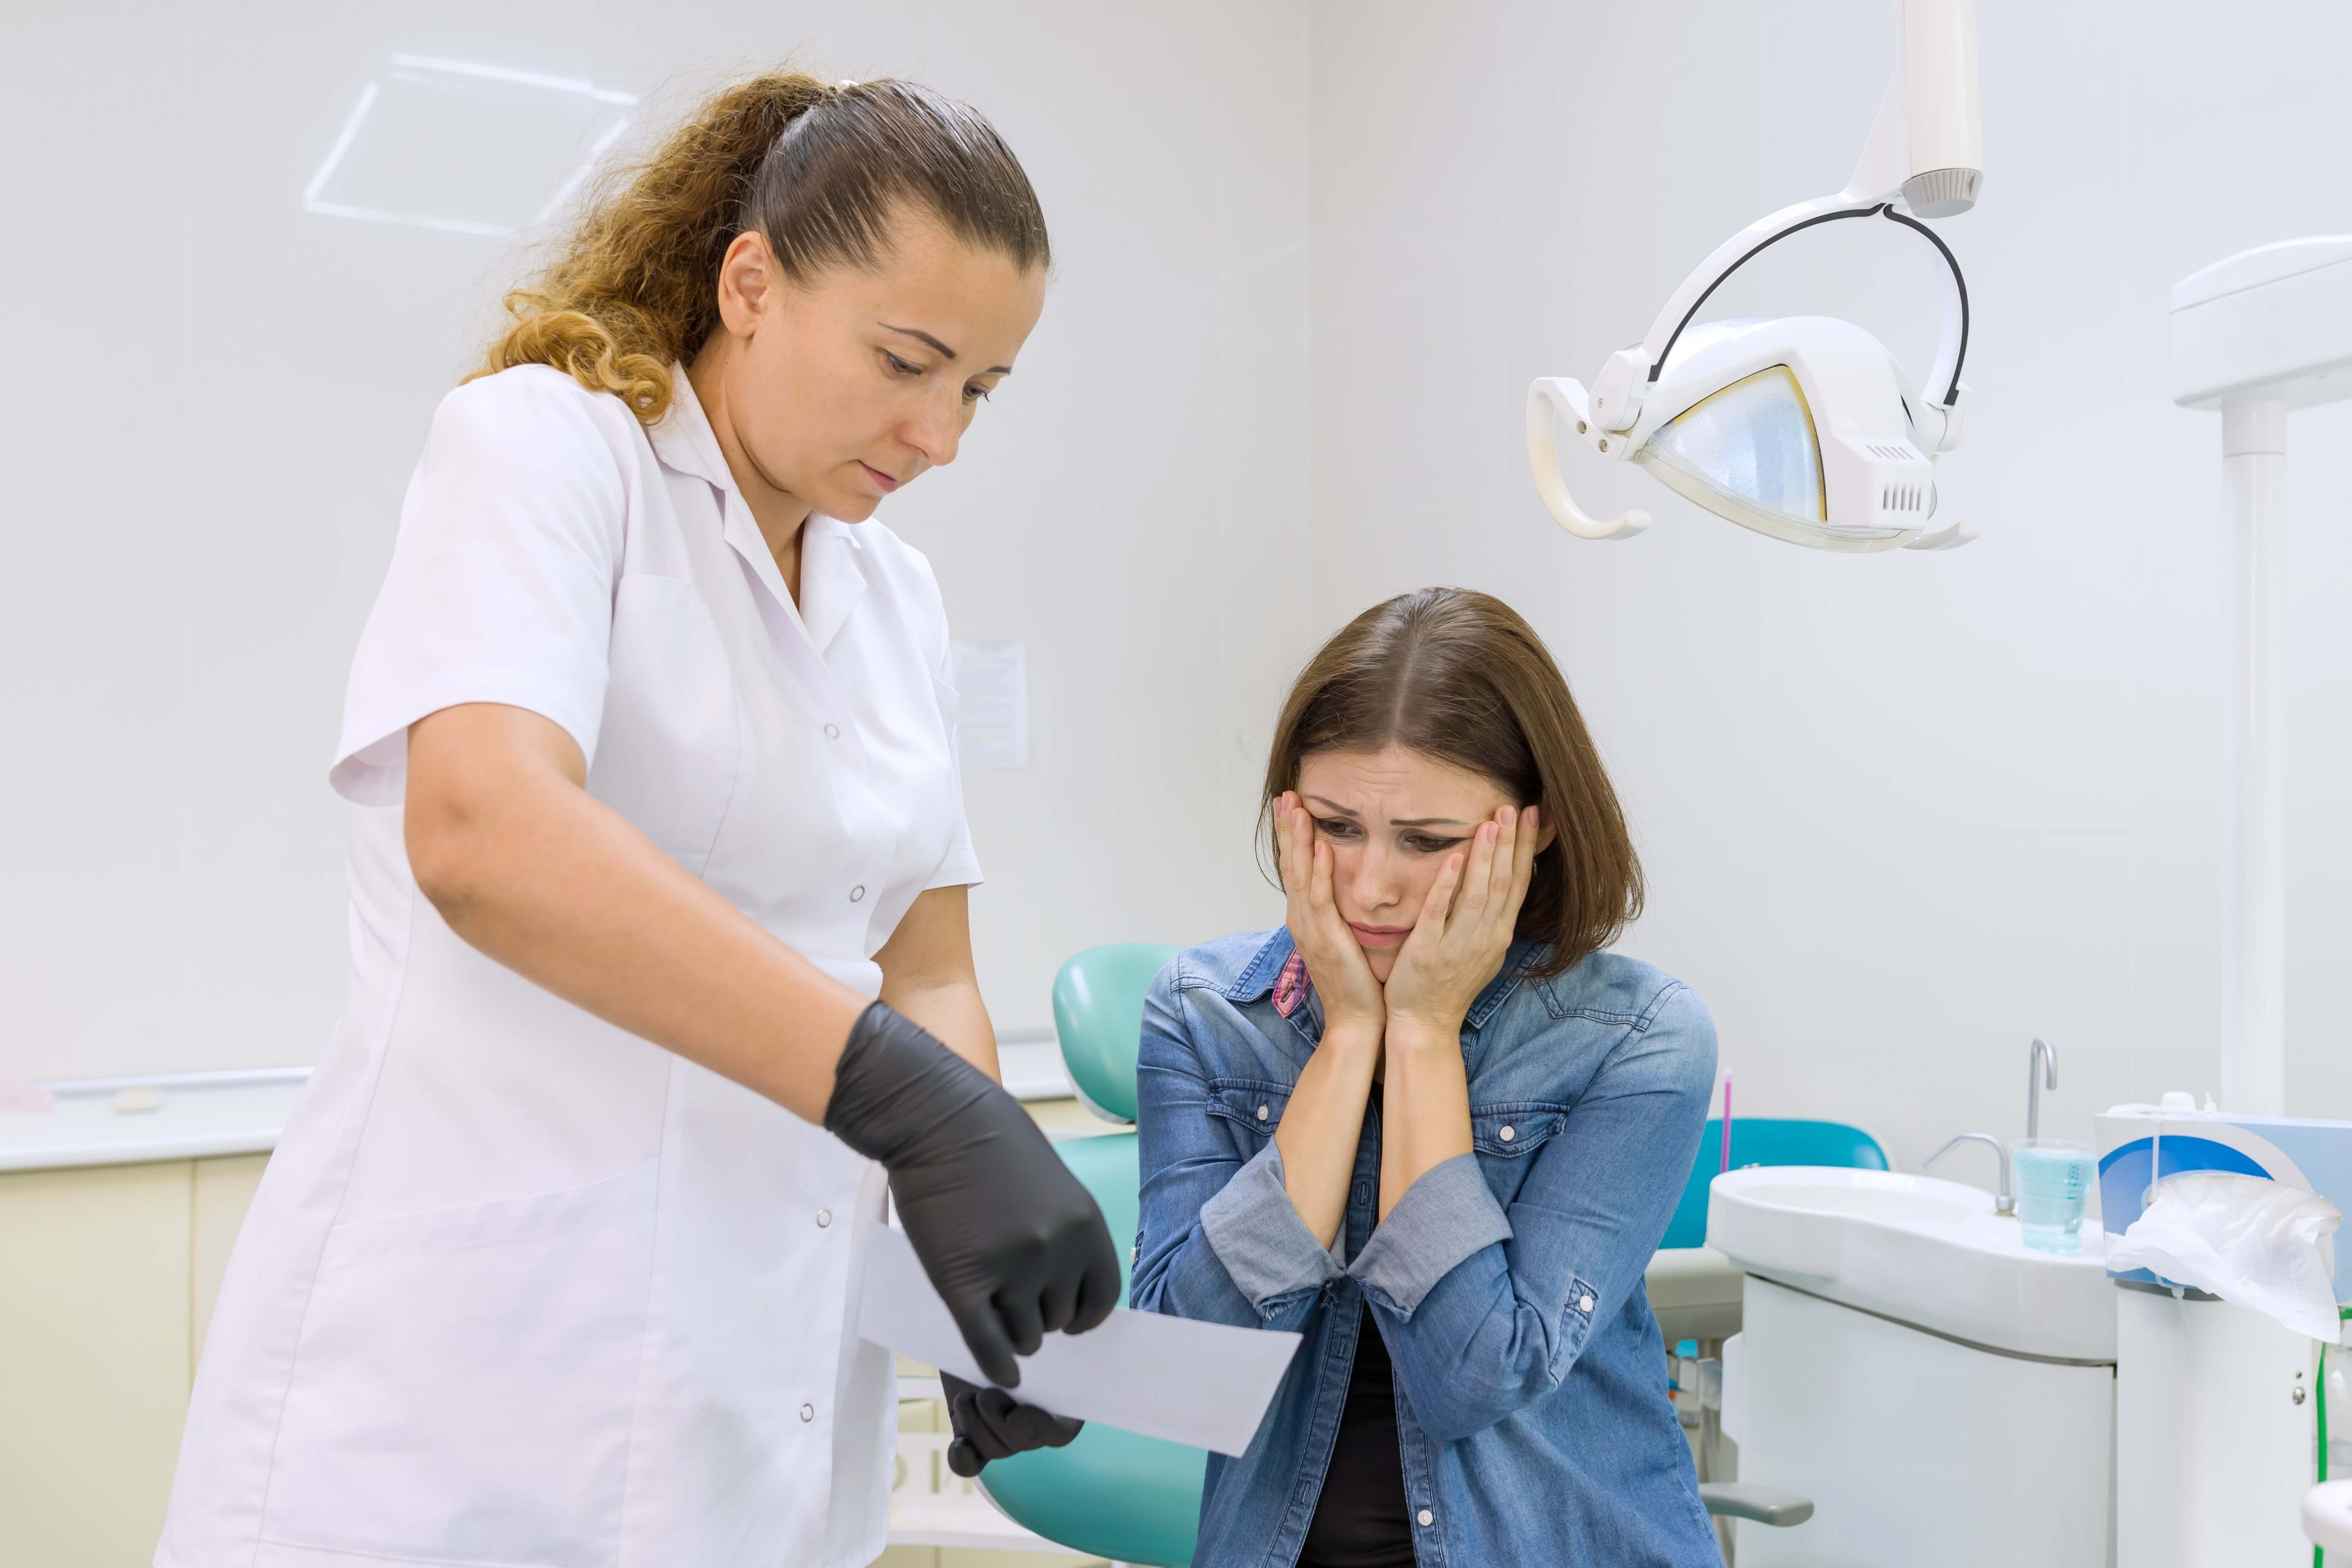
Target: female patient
[[1430, 1125]]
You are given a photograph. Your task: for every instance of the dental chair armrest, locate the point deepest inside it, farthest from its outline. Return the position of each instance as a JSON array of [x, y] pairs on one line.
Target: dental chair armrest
[[1764, 1505]]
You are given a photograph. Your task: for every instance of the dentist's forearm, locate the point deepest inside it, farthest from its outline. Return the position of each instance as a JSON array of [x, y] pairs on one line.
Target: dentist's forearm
[[1323, 1125], [531, 870], [1426, 1118]]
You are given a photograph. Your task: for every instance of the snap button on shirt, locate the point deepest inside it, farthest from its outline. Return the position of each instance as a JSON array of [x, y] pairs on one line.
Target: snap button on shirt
[[1426, 1517], [515, 1267], [1508, 1133]]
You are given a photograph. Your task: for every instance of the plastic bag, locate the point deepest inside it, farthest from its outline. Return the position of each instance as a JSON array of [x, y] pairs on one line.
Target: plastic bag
[[2251, 1241]]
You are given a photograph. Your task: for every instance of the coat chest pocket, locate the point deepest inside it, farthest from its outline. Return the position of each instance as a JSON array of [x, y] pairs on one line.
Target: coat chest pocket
[[1506, 1138], [1249, 1102]]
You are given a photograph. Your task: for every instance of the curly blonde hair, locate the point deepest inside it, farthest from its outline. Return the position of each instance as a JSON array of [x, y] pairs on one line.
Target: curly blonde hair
[[815, 169]]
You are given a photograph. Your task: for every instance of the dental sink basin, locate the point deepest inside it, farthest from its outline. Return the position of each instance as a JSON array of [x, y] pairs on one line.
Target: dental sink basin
[[1929, 1253]]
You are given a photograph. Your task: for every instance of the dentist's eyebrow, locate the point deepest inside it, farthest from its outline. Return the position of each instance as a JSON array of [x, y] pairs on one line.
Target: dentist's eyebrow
[[945, 351]]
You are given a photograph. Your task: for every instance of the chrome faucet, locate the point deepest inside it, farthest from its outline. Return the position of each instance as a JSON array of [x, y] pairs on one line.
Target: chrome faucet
[[2004, 1201], [2040, 1065]]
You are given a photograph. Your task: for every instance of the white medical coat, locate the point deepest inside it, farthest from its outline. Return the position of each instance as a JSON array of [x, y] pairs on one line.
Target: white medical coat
[[520, 1288]]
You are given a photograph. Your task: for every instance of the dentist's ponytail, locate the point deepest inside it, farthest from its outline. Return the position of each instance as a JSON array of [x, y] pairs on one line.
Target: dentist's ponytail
[[818, 170]]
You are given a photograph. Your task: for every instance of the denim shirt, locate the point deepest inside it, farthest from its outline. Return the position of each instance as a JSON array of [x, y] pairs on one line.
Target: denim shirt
[[1532, 1411]]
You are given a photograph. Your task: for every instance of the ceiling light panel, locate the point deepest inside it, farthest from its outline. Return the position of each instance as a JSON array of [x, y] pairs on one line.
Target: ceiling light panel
[[464, 147]]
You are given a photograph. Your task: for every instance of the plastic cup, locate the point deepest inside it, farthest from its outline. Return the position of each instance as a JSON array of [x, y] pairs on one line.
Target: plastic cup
[[2053, 1176]]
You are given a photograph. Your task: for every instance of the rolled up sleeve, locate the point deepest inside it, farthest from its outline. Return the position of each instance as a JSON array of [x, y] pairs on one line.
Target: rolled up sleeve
[[1255, 1230], [1503, 1325], [1261, 1269], [1444, 1218]]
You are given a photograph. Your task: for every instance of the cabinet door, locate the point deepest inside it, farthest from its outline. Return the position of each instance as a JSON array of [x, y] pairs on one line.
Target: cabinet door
[[225, 1188], [93, 1359]]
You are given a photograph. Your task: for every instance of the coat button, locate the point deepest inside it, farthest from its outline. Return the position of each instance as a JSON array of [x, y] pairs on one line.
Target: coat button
[[824, 1218], [856, 892], [1426, 1517], [1508, 1133], [808, 1412], [1261, 1114], [833, 731]]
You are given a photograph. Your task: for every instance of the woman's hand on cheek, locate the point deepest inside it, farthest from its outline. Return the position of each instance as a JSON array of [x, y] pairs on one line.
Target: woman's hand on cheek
[[1334, 961], [1465, 926]]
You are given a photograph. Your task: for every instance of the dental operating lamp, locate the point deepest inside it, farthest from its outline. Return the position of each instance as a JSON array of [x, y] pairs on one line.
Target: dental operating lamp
[[1802, 427]]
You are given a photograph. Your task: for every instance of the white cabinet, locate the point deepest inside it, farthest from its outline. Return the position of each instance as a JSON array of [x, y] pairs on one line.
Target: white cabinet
[[107, 1275], [1916, 1446], [223, 1192], [96, 1309]]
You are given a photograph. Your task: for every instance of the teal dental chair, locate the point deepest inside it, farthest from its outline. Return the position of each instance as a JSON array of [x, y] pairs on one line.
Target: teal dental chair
[[1696, 1293], [1129, 1499], [1136, 1499]]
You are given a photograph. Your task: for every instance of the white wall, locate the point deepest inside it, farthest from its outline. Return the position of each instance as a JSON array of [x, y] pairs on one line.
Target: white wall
[[1900, 814], [218, 395]]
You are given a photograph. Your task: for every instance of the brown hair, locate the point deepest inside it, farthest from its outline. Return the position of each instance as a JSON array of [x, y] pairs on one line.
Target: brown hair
[[816, 170], [1458, 676]]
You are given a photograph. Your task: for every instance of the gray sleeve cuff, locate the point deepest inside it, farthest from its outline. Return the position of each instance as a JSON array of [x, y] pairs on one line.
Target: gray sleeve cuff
[[1256, 1232], [1447, 1216]]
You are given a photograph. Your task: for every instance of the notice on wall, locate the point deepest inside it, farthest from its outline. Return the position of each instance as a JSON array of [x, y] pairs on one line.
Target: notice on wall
[[991, 681]]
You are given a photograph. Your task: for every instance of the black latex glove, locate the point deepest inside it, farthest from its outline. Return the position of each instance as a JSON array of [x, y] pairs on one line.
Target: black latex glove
[[1014, 1244], [990, 1423]]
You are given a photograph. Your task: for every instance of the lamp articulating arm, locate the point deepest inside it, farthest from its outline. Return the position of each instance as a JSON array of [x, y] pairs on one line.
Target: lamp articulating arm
[[1563, 398], [1924, 151]]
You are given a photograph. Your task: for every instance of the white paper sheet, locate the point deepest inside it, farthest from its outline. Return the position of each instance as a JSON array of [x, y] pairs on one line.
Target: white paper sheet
[[1201, 1384]]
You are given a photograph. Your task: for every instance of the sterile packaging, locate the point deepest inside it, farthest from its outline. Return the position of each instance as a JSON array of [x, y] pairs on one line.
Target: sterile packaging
[[2248, 1239], [2143, 1149]]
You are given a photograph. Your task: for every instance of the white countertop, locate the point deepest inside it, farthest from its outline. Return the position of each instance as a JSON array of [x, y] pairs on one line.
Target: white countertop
[[200, 1115], [188, 1116]]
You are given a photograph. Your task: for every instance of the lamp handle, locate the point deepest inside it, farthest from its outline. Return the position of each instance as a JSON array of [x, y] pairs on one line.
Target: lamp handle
[[1553, 395]]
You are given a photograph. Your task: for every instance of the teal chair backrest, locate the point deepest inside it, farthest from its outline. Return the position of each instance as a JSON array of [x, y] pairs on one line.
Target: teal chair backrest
[[1766, 1140], [1118, 1495], [1098, 1019]]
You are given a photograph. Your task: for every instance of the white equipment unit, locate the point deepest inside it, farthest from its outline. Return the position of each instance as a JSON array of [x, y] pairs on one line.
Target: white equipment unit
[[1944, 1394], [2212, 1433], [2257, 335], [1801, 427], [1917, 1447]]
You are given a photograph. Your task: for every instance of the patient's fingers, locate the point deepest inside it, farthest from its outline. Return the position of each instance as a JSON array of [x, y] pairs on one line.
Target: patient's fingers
[[1523, 859], [1502, 905], [1294, 854], [1477, 878], [1429, 928]]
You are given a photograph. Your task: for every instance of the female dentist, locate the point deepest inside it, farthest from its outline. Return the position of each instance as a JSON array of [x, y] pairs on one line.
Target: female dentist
[[651, 736]]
